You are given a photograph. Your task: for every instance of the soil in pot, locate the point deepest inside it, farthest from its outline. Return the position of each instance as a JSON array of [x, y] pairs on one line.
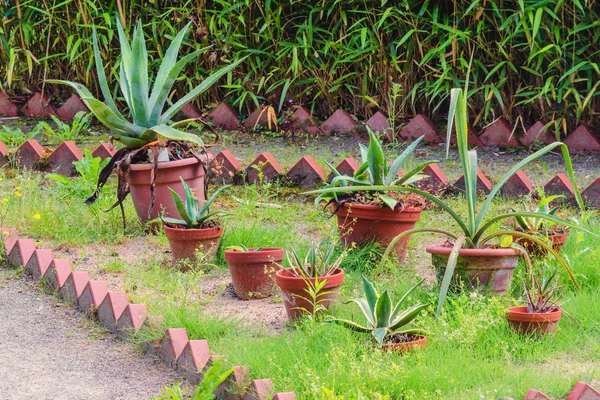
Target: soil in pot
[[253, 272], [167, 176], [295, 297], [532, 323], [489, 267], [187, 243], [401, 343], [557, 239], [363, 223]]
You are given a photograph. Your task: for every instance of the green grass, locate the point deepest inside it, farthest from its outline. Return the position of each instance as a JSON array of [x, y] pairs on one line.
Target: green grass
[[471, 352]]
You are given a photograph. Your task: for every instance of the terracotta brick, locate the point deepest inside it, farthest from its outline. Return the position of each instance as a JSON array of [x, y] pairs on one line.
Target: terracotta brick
[[234, 387], [591, 194], [21, 252], [285, 396], [227, 167], [7, 108], [61, 160], [92, 297], [190, 111], [194, 359], [340, 122], [583, 391], [57, 273], [39, 263], [483, 183], [559, 185], [3, 153], [379, 123], [10, 238], [536, 395], [111, 308], [172, 345], [582, 140], [302, 121], [260, 389], [270, 168], [537, 134], [306, 173], [517, 186], [260, 115], [418, 126], [104, 150], [436, 182], [29, 153], [472, 138], [74, 286], [132, 319], [38, 106], [224, 116], [348, 166], [499, 133], [71, 107]]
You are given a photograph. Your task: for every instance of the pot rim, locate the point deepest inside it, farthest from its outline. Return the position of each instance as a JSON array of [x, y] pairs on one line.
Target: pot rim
[[445, 250], [519, 313], [420, 338], [369, 207], [165, 164], [287, 281], [204, 233], [265, 254]]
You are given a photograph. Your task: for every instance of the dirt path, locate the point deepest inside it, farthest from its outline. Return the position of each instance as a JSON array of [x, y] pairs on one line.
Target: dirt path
[[50, 351]]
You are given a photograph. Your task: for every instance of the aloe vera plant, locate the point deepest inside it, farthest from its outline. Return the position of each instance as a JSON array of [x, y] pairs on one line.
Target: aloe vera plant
[[384, 318], [319, 261]]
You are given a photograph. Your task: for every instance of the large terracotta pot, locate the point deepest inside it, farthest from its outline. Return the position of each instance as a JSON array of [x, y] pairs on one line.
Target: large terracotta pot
[[294, 289], [253, 272], [557, 239], [185, 242], [491, 268], [167, 176], [539, 323], [418, 342], [361, 223]]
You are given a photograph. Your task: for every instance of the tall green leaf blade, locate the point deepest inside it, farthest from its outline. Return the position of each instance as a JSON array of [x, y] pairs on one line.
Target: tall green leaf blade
[[181, 208], [450, 267], [138, 75], [398, 162], [175, 134], [102, 76], [376, 160], [383, 310], [370, 293]]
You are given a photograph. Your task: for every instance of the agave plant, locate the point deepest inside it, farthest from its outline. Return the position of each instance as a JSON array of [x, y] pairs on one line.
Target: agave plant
[[374, 171], [150, 124], [193, 216], [318, 261], [383, 317], [537, 225]]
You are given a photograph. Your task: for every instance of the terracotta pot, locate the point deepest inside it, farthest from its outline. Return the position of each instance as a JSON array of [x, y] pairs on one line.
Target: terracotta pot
[[360, 223], [418, 342], [252, 272], [167, 176], [491, 268], [538, 323], [293, 287], [557, 239], [185, 242]]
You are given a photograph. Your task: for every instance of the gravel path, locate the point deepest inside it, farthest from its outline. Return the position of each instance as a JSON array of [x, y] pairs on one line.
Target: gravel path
[[50, 351]]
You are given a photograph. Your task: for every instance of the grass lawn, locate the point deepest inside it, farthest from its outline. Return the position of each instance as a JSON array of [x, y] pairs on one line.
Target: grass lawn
[[471, 352]]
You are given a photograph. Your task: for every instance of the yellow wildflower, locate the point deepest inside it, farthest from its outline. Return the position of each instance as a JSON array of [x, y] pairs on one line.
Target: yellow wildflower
[[17, 194], [5, 200], [18, 188], [37, 216], [5, 233]]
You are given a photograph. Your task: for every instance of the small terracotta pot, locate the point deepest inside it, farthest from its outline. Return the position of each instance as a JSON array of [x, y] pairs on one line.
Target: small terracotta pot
[[361, 223], [167, 176], [491, 268], [418, 342], [185, 242], [538, 323], [557, 239], [252, 272], [293, 290]]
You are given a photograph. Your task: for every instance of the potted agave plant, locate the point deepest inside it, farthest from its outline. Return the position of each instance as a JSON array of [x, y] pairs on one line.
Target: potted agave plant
[[385, 319], [379, 215], [542, 312], [157, 152], [198, 229], [319, 271], [475, 254], [252, 270]]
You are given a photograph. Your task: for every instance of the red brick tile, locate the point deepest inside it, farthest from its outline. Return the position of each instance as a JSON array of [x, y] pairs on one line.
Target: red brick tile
[[583, 391], [436, 182], [267, 164], [10, 239], [260, 389], [582, 140], [235, 385], [39, 263], [348, 166], [104, 150], [189, 111], [302, 122], [111, 309], [559, 185], [259, 117], [21, 252], [38, 106], [3, 153], [419, 126], [225, 117], [227, 167], [285, 396], [591, 194], [517, 186], [71, 107], [340, 122], [306, 173], [57, 273], [483, 183], [61, 160], [499, 133], [132, 319], [379, 123], [74, 286], [92, 297], [536, 395], [29, 153], [537, 134], [194, 359], [172, 345], [7, 108]]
